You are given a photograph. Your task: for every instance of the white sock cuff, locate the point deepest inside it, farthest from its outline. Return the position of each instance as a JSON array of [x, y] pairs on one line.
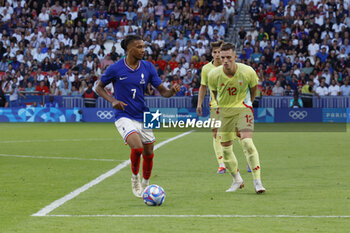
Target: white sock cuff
[[245, 140]]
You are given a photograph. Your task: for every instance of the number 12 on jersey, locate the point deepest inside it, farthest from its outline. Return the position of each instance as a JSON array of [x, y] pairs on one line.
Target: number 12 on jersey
[[232, 90]]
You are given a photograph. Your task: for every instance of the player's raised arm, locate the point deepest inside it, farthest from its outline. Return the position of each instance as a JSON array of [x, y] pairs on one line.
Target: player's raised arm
[[165, 92], [100, 89]]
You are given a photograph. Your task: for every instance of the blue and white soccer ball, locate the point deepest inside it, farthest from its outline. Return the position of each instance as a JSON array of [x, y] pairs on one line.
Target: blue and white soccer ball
[[153, 195]]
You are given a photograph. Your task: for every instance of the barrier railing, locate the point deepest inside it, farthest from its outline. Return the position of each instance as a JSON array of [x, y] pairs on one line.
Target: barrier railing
[[315, 102], [191, 101]]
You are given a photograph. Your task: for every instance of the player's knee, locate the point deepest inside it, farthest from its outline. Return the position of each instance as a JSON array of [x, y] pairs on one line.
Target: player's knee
[[147, 152], [136, 146], [248, 145], [148, 149], [246, 134]]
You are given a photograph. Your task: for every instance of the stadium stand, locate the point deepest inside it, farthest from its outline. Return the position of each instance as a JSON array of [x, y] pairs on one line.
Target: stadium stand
[[296, 47]]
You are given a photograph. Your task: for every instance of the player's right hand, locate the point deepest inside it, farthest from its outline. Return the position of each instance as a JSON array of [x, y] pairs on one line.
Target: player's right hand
[[119, 104], [199, 110]]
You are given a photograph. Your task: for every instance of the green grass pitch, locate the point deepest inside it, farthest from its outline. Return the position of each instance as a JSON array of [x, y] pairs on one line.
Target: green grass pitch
[[305, 174]]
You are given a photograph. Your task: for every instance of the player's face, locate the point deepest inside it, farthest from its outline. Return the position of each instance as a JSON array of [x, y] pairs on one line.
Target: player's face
[[137, 49], [216, 54], [228, 59]]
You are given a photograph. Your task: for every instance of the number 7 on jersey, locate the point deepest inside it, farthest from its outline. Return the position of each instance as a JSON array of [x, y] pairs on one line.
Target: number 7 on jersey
[[134, 93]]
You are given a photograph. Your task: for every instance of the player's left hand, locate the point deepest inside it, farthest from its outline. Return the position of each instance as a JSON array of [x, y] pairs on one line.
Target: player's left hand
[[176, 88]]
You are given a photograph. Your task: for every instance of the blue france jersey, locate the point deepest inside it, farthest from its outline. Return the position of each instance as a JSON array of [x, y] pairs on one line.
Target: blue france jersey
[[130, 85]]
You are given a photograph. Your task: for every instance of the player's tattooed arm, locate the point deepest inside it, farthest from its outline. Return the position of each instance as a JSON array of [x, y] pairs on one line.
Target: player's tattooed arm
[[165, 92], [100, 89]]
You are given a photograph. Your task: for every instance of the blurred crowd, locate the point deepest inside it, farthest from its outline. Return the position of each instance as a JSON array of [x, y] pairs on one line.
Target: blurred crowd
[[299, 46], [62, 47]]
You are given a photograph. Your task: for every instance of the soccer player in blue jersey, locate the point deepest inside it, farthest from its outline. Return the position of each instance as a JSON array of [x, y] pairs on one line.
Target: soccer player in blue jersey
[[130, 76]]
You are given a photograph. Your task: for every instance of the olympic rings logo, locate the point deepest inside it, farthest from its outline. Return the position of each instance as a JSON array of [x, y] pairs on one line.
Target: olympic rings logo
[[104, 114], [298, 114]]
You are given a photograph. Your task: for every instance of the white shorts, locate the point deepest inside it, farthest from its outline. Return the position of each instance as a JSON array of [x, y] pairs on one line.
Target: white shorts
[[127, 126]]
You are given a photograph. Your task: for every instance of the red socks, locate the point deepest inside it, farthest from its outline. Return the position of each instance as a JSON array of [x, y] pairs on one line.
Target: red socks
[[147, 166], [147, 163], [135, 157]]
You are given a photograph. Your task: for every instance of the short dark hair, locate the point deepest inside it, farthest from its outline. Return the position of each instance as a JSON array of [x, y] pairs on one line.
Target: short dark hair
[[227, 46], [216, 44], [128, 39]]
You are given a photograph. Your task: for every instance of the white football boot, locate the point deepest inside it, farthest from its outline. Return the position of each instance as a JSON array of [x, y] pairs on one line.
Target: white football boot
[[238, 183], [144, 185], [258, 187], [135, 185]]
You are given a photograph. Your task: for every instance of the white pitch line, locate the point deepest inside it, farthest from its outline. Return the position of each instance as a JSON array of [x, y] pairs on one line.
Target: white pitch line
[[199, 216], [47, 209], [59, 140], [55, 157]]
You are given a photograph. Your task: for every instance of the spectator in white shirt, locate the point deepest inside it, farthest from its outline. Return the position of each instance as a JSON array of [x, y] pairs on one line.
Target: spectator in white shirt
[[102, 22], [230, 10], [277, 89], [40, 75], [6, 8], [180, 69], [6, 16], [337, 27], [39, 56], [67, 41], [319, 19], [322, 90], [204, 40], [220, 28], [313, 48], [200, 49], [327, 32], [213, 16], [327, 75], [44, 16], [17, 34], [345, 88], [263, 43], [207, 29], [144, 2], [92, 21], [334, 89], [45, 39], [90, 62], [159, 41]]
